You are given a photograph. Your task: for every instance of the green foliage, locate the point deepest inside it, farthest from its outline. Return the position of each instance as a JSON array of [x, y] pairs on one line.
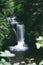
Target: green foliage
[[39, 42], [6, 53], [4, 30], [30, 13], [7, 6], [4, 62], [41, 63]]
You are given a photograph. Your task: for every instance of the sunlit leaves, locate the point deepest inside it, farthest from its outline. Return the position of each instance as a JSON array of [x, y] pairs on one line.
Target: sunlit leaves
[[4, 62], [39, 42], [6, 53]]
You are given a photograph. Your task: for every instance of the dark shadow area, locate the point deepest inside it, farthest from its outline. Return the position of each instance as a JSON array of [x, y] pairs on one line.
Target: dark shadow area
[[10, 41]]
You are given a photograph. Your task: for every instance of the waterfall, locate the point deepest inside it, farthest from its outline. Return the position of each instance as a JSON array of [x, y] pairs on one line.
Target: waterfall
[[20, 33], [21, 46]]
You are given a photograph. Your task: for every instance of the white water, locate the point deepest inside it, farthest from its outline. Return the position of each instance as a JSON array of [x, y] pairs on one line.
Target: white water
[[20, 33], [21, 46]]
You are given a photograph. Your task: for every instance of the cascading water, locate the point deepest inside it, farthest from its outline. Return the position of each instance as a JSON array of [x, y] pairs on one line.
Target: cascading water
[[20, 33], [21, 46]]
